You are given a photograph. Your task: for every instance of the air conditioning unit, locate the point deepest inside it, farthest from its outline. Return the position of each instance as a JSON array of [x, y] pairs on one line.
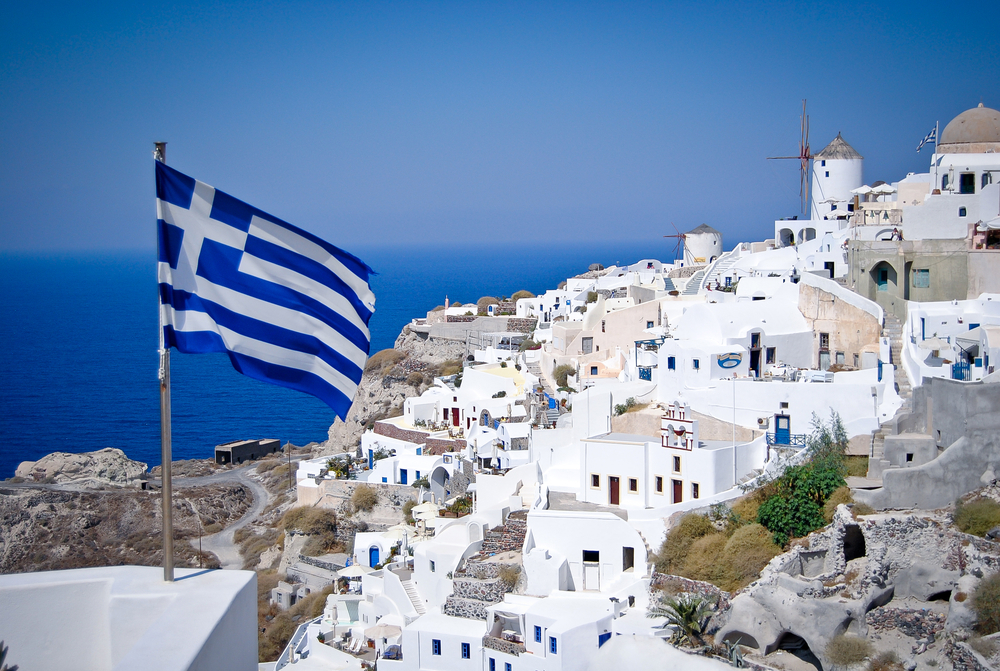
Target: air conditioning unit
[[763, 422]]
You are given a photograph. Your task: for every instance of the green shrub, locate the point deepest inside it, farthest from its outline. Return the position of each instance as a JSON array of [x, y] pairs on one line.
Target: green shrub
[[677, 544], [364, 498], [421, 482], [592, 296], [528, 344], [795, 499], [840, 495], [986, 603], [627, 406], [523, 293], [846, 650], [977, 516], [561, 372]]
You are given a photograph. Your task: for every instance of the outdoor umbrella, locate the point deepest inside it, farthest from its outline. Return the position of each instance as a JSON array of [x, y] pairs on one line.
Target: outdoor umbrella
[[383, 631], [354, 571]]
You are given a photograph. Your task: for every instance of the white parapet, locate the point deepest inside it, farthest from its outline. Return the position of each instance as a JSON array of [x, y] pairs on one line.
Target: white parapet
[[127, 617]]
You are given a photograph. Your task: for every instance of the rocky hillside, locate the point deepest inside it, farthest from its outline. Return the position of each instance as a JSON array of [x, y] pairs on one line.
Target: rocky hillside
[[44, 529], [388, 381]]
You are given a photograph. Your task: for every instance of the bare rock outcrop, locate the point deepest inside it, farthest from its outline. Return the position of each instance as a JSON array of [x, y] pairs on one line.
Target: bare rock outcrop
[[95, 470], [382, 392]]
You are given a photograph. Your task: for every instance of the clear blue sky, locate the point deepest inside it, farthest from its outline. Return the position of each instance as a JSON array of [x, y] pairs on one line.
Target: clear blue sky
[[421, 122]]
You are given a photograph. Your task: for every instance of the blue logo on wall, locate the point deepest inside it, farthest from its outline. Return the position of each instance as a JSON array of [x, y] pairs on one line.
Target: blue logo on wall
[[731, 360]]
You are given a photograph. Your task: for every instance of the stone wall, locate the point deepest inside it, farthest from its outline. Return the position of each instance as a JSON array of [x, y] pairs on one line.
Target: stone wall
[[434, 445], [461, 319], [520, 324], [851, 329]]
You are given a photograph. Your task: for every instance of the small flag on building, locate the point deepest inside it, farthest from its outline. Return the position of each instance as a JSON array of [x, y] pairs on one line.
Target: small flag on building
[[287, 307], [930, 137]]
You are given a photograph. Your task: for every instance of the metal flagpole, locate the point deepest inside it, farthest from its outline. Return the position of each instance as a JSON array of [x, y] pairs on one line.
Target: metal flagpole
[[166, 493]]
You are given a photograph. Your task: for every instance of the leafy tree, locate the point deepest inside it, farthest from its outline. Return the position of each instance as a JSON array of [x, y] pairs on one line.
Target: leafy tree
[[795, 499]]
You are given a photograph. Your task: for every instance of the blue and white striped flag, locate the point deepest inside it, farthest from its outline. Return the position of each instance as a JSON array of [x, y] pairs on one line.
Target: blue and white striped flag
[[287, 307], [930, 137]]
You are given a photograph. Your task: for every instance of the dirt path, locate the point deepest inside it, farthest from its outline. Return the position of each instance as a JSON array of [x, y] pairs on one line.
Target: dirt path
[[222, 543]]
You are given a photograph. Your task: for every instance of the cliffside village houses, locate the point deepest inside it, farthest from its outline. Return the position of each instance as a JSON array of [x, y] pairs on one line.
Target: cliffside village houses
[[688, 379], [722, 360]]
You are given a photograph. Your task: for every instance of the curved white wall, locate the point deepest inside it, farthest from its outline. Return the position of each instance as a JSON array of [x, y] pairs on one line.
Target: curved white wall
[[702, 248], [844, 175]]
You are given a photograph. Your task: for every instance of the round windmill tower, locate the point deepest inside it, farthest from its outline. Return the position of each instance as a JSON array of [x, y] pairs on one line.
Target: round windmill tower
[[836, 171], [702, 245]]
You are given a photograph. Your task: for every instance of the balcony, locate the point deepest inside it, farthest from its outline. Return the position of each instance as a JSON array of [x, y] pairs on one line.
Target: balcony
[[646, 373], [787, 439], [508, 645]]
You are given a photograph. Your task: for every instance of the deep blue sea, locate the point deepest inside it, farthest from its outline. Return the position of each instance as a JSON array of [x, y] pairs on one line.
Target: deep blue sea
[[78, 340]]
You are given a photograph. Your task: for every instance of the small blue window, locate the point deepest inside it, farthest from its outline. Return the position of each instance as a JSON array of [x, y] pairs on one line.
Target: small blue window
[[436, 646], [696, 364], [385, 479], [506, 666], [493, 664], [603, 638], [553, 647], [466, 652], [538, 634], [671, 363], [417, 475]]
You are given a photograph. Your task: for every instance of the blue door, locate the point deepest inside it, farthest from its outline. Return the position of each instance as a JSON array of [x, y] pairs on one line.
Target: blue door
[[402, 476], [782, 430], [373, 556]]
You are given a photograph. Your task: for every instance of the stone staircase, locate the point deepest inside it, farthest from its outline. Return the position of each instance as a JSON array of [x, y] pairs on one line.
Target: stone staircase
[[478, 585], [720, 268], [893, 330], [694, 284], [411, 591]]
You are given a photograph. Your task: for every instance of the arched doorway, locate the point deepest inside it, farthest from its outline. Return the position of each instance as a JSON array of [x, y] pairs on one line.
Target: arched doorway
[[883, 284], [786, 238], [373, 556]]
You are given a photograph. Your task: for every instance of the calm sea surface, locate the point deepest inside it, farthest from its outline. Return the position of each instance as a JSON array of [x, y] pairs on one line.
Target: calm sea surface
[[78, 339]]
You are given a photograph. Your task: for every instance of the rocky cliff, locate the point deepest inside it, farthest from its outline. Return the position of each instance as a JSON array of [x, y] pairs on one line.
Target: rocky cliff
[[383, 388], [103, 468]]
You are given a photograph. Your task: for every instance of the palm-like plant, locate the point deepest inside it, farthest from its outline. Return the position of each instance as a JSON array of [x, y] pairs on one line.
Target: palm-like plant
[[3, 656], [687, 614]]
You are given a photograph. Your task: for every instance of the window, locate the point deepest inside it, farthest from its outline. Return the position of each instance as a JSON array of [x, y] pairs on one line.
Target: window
[[671, 363], [824, 341], [922, 278], [588, 345], [595, 480], [628, 559], [633, 485], [677, 464], [432, 566], [962, 211], [840, 358], [649, 325], [538, 634], [659, 484], [602, 326], [696, 364], [855, 360], [506, 666], [466, 652], [967, 182], [822, 164], [771, 355], [755, 341], [591, 556], [695, 490], [987, 179], [827, 173], [385, 479], [944, 182], [436, 646], [909, 457], [493, 664], [783, 405], [553, 648], [593, 370], [417, 474]]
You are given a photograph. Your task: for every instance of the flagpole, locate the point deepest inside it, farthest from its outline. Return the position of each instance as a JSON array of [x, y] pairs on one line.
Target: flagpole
[[166, 489]]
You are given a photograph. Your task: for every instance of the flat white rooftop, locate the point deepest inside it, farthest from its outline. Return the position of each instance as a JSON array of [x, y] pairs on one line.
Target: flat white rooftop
[[127, 617]]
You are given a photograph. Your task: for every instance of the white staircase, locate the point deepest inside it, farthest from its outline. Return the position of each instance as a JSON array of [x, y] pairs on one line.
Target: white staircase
[[718, 270], [694, 284], [411, 591]]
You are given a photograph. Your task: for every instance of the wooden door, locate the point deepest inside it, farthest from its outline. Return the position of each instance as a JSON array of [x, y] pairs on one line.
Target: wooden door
[[613, 490], [678, 490]]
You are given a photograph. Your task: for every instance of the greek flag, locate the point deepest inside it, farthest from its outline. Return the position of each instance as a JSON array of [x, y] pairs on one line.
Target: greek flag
[[930, 137], [287, 307]]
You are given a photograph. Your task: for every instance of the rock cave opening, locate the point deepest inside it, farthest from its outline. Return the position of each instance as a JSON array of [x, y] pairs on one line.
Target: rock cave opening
[[797, 645], [940, 596], [854, 542]]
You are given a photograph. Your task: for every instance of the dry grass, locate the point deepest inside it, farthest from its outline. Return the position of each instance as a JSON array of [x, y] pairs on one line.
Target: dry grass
[[840, 495], [675, 548], [986, 603], [984, 646], [509, 573], [747, 552], [381, 362], [856, 465], [364, 498], [977, 516], [846, 650], [887, 661]]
